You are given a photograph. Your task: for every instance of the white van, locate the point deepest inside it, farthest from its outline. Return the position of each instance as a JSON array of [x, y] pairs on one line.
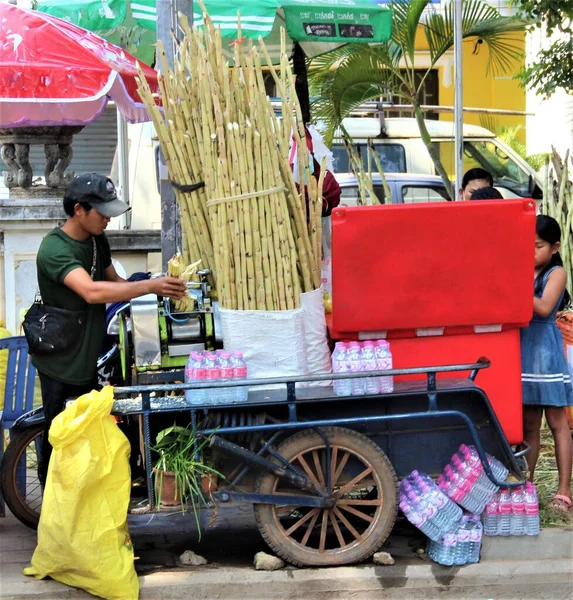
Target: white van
[[401, 150]]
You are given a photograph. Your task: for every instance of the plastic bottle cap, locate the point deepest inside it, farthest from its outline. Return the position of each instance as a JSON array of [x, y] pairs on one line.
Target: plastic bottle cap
[[354, 345]]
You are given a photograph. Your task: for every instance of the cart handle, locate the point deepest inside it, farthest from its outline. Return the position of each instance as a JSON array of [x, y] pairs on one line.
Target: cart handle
[[482, 363]]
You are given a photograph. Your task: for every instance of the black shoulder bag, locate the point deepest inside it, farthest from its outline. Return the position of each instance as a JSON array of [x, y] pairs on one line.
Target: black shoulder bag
[[49, 329]]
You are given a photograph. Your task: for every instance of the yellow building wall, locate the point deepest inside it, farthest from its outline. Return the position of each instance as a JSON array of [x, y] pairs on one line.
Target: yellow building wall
[[480, 88]]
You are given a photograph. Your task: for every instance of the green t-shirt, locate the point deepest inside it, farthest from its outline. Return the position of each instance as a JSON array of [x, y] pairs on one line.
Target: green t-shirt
[[58, 255]]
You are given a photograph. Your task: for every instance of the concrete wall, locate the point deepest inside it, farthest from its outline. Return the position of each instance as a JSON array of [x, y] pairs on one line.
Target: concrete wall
[[23, 224]]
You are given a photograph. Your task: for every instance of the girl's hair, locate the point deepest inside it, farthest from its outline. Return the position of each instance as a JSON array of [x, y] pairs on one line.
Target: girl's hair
[[547, 229]]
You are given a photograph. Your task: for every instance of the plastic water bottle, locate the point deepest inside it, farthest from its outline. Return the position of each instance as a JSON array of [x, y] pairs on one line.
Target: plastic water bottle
[[213, 375], [383, 363], [491, 517], [195, 372], [531, 510], [447, 513], [192, 396], [449, 483], [499, 470], [227, 374], [473, 500], [241, 393], [424, 513], [356, 366], [504, 527], [341, 364], [517, 511], [369, 363], [476, 536], [443, 550], [486, 487], [462, 550]]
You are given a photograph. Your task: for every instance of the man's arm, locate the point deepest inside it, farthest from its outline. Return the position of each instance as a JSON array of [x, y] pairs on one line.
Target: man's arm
[[104, 292], [111, 275]]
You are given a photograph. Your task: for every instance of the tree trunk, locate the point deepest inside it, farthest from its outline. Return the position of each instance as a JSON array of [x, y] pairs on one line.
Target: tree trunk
[[432, 151]]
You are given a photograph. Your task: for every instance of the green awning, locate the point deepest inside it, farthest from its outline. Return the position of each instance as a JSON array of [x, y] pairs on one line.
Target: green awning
[[126, 23], [318, 25]]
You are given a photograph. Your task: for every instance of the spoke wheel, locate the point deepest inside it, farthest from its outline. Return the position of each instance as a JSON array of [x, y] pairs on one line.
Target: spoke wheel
[[363, 490], [19, 476]]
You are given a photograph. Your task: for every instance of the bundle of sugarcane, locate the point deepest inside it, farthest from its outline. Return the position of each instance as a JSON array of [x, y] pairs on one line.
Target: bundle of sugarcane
[[250, 222], [176, 267], [558, 203]]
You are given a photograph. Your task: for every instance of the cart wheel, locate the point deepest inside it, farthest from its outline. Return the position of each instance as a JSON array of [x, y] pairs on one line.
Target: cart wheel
[[365, 500], [19, 475]]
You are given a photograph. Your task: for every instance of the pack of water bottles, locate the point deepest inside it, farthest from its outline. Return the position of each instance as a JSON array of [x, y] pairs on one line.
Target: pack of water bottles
[[465, 481], [459, 546], [427, 507], [215, 367], [512, 511], [357, 357]]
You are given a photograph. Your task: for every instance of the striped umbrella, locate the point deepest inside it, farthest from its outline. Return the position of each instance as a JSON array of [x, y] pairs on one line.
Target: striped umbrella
[[317, 25], [126, 23]]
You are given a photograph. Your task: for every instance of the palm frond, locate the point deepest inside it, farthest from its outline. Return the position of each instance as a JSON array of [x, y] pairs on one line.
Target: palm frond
[[479, 20], [359, 78], [406, 17]]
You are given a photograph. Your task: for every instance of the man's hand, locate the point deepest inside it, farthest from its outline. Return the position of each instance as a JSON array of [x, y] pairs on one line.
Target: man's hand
[[168, 287]]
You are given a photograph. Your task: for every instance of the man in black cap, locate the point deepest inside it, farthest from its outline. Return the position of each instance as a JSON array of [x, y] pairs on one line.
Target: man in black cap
[[75, 272]]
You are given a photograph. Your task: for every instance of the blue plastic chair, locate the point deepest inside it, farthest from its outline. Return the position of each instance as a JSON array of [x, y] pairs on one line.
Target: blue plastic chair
[[20, 380], [18, 395]]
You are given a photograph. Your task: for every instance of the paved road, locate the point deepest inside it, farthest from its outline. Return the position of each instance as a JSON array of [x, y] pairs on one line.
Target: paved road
[[230, 575]]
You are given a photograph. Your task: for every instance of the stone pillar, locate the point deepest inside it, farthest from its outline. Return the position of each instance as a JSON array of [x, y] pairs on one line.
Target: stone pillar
[[30, 211], [57, 142]]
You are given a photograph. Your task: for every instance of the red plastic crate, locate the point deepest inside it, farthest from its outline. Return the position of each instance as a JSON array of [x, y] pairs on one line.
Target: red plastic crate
[[451, 264], [501, 382]]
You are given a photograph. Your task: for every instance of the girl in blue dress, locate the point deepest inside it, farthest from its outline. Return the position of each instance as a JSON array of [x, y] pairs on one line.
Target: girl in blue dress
[[545, 376]]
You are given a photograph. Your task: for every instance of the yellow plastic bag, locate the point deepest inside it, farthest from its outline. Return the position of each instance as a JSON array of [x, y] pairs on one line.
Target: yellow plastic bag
[[4, 333], [83, 540]]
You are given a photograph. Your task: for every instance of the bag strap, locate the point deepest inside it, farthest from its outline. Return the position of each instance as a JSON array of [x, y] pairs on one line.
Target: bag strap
[[94, 258], [38, 296]]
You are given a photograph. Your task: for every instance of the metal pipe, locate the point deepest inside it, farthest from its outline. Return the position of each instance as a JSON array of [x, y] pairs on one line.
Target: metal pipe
[[255, 460], [167, 11], [373, 419], [123, 167], [483, 363], [458, 94]]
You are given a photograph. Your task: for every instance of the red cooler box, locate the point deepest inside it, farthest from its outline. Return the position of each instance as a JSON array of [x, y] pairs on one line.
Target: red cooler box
[[445, 283], [450, 264]]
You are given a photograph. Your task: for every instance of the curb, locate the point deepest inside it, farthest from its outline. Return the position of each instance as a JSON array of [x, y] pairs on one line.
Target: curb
[[501, 579], [550, 544]]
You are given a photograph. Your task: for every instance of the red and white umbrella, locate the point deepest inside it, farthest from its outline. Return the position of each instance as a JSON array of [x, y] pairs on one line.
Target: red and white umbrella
[[55, 73]]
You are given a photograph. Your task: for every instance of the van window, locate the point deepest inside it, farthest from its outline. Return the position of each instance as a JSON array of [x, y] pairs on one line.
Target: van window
[[487, 155], [392, 157], [349, 194], [423, 193]]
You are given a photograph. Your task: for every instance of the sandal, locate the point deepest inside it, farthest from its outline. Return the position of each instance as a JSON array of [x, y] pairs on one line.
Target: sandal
[[560, 503]]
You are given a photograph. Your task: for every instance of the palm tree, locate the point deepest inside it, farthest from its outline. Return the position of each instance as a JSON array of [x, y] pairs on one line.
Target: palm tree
[[350, 75]]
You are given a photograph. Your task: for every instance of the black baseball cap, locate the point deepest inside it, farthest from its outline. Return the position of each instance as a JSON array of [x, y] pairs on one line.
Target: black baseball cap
[[99, 191]]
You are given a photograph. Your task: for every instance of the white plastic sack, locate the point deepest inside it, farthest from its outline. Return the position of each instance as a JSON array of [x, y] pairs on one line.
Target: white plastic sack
[[272, 342], [326, 270], [315, 335]]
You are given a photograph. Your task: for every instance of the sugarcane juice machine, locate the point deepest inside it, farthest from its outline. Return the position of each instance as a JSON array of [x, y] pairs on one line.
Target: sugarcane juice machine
[[163, 338]]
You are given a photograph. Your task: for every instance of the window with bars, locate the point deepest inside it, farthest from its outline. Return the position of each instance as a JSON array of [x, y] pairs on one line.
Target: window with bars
[[429, 95]]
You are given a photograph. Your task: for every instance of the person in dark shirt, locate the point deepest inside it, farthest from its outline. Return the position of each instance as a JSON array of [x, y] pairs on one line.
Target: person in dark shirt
[[69, 279]]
